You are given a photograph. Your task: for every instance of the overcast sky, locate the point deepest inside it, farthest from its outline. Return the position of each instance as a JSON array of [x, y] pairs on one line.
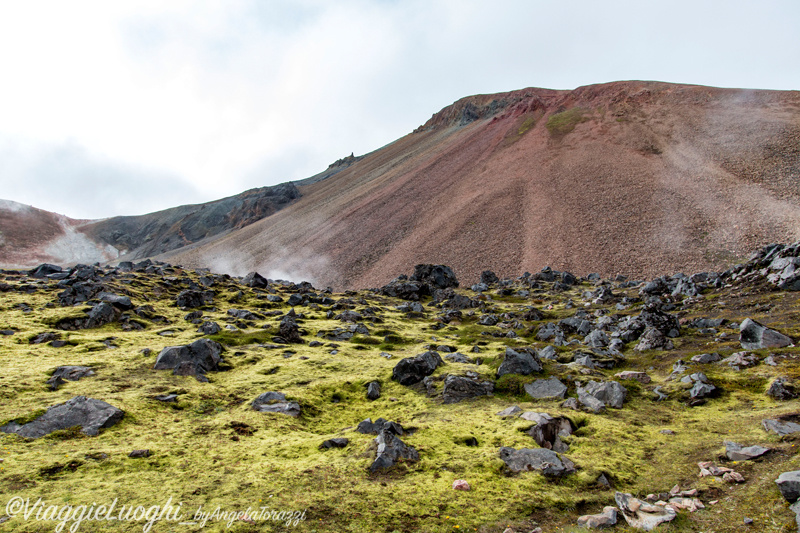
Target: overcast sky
[[111, 108]]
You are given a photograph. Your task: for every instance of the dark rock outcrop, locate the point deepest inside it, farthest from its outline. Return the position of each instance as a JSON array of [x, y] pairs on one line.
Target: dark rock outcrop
[[754, 336], [89, 414], [195, 359], [412, 370], [163, 231], [391, 450], [458, 388], [522, 362]]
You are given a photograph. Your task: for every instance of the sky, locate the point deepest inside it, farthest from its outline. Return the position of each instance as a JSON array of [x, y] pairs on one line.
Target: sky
[[124, 108]]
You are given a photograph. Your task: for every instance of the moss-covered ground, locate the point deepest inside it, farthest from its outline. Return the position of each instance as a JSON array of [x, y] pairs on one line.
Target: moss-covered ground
[[211, 449]]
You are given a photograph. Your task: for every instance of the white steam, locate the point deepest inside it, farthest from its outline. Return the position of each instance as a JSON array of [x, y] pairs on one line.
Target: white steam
[[295, 266]]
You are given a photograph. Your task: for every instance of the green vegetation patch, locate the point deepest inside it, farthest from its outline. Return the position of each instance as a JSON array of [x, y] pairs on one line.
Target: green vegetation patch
[[560, 124]]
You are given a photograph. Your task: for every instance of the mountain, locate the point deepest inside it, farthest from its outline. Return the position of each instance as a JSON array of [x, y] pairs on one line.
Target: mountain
[[29, 235], [632, 177]]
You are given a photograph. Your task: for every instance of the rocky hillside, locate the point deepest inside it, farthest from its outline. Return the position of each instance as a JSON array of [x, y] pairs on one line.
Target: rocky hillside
[[433, 403], [29, 235], [149, 235]]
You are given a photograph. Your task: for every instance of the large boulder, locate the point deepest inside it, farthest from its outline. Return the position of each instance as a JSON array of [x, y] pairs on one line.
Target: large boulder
[[589, 402], [411, 370], [780, 426], [519, 363], [642, 515], [458, 388], [255, 280], [391, 450], [87, 413], [754, 336], [546, 389], [275, 402], [611, 393], [190, 299], [545, 461], [44, 270], [120, 302], [435, 276], [197, 358], [100, 315], [653, 339]]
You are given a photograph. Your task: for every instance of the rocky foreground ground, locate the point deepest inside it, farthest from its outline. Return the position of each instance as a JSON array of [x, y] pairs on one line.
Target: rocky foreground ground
[[542, 403]]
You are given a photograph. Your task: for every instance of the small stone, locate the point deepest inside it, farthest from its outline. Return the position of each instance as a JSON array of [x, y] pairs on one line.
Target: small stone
[[733, 477], [514, 410], [641, 377], [607, 518], [460, 484], [337, 442], [139, 454]]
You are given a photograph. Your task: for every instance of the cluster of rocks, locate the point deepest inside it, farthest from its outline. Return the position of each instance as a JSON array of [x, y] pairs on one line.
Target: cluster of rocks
[[425, 281], [776, 263]]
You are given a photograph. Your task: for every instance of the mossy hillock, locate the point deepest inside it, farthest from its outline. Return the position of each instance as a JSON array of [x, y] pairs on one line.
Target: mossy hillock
[[207, 445]]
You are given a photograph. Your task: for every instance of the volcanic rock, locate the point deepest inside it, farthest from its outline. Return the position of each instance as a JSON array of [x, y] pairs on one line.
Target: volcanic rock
[[411, 370], [736, 452], [545, 461], [197, 358], [458, 388], [90, 414], [524, 363], [546, 389], [391, 450], [754, 336]]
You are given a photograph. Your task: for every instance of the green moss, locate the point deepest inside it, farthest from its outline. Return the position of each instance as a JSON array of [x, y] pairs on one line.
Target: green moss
[[526, 125], [212, 449], [560, 124], [242, 337], [24, 419]]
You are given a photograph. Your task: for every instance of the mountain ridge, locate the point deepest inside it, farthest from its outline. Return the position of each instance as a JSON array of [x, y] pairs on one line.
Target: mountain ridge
[[640, 176]]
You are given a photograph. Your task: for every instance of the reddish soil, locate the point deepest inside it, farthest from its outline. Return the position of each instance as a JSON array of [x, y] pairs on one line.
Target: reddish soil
[[655, 178]]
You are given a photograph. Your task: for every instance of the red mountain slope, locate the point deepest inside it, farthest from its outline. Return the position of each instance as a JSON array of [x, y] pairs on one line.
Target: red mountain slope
[[632, 177]]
